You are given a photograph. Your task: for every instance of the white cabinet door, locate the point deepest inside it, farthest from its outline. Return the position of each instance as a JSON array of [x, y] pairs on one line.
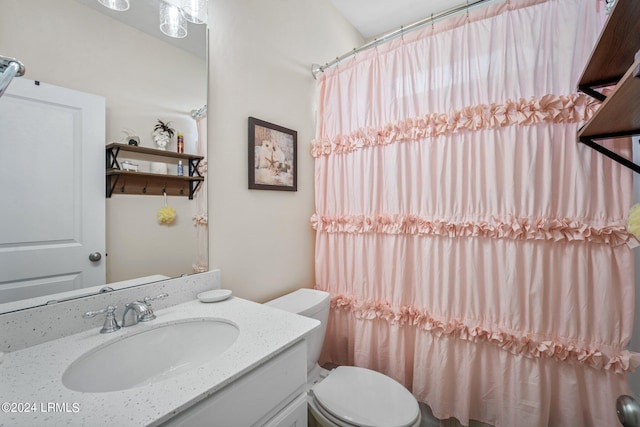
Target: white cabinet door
[[255, 397], [52, 190], [294, 414]]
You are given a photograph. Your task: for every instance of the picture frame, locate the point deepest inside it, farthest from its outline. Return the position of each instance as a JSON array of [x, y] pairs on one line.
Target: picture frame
[[273, 156]]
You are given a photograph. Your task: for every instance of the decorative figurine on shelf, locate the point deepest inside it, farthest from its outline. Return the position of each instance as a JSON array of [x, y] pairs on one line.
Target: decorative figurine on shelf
[[162, 134], [130, 137]]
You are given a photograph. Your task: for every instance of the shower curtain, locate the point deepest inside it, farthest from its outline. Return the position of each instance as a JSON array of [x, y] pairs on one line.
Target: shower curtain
[[200, 218], [473, 250]]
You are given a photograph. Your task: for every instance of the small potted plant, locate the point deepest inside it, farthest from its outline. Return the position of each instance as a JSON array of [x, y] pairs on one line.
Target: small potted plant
[[162, 134]]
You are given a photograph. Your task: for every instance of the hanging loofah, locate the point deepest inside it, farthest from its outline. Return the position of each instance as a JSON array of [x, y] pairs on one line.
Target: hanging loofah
[[633, 222], [166, 214]]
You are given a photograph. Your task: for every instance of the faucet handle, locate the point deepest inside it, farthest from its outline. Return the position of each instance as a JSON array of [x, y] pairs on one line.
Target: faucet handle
[[147, 300], [110, 322], [150, 315]]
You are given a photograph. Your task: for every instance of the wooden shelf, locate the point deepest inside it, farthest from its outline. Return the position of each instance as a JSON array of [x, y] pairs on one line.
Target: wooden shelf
[[151, 151], [619, 114], [615, 60], [144, 183], [616, 47]]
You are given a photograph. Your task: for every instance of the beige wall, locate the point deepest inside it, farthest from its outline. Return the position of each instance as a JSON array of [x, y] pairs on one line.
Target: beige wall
[[142, 78], [260, 56]]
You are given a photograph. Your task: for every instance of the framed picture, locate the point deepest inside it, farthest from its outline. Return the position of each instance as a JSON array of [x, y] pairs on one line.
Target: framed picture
[[273, 156]]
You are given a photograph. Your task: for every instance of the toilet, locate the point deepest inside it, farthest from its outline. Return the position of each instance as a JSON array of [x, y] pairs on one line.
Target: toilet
[[347, 396]]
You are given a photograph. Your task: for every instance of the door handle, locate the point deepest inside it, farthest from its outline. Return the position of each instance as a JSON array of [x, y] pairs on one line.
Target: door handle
[[95, 256]]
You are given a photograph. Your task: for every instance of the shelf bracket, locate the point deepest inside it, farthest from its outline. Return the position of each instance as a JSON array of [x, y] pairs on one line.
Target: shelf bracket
[[112, 158], [193, 167], [616, 157], [193, 171], [112, 182], [589, 90], [193, 186]]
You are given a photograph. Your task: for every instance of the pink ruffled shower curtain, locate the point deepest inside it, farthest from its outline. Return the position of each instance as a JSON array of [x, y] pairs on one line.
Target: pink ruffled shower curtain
[[473, 250], [200, 219]]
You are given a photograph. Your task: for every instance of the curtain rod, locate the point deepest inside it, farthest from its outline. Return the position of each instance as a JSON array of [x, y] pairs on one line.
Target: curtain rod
[[315, 68], [9, 68], [5, 61], [200, 112]]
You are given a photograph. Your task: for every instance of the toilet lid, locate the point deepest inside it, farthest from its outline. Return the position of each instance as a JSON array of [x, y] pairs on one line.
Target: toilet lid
[[366, 398]]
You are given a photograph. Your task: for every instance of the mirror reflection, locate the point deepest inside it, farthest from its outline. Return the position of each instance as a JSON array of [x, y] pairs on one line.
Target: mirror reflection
[[91, 60]]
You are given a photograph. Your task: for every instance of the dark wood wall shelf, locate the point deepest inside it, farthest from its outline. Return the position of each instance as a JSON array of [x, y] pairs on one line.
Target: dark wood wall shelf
[[129, 182], [615, 60], [615, 49]]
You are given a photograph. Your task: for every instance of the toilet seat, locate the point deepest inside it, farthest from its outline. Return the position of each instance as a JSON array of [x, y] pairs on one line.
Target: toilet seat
[[361, 397]]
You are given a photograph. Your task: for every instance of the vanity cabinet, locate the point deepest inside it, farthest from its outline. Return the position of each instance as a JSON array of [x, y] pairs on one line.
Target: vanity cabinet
[[615, 61], [133, 182], [271, 395]]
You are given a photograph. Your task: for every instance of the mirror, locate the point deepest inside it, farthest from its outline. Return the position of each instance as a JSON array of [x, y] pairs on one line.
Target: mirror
[[144, 76]]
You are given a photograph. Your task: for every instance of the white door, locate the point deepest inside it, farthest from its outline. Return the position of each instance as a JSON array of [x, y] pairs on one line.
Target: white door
[[52, 190]]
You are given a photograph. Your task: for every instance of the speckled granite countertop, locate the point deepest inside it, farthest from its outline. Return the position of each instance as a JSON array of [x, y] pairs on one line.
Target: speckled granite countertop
[[33, 376]]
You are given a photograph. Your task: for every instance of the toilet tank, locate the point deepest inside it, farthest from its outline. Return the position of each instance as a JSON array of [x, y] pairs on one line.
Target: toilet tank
[[309, 303]]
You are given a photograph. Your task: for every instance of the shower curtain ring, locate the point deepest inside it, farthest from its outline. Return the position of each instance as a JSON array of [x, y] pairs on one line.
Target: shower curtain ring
[[467, 18]]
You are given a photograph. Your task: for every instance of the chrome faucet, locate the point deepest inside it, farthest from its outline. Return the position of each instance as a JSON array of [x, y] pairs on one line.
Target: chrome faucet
[[142, 311], [139, 309]]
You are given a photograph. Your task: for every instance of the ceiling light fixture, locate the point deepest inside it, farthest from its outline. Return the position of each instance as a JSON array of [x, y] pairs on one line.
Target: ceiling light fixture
[[118, 5], [194, 10], [174, 14], [172, 21]]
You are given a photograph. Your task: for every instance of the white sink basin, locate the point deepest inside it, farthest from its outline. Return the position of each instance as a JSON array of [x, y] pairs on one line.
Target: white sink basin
[[150, 356]]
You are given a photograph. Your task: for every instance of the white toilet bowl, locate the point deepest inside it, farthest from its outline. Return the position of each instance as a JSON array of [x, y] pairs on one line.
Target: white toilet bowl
[[347, 396]]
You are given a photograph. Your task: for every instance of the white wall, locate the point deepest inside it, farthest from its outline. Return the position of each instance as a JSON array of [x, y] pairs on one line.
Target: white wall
[[260, 56], [143, 79]]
